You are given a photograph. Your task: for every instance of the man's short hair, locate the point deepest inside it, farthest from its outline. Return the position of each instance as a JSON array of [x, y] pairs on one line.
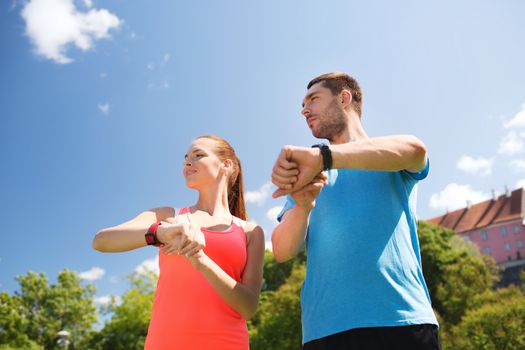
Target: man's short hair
[[339, 81]]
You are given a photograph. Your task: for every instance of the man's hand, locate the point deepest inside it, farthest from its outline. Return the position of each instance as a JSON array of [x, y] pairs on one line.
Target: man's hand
[[305, 197], [294, 168]]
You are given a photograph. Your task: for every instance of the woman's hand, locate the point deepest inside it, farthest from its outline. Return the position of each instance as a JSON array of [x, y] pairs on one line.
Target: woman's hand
[[181, 238]]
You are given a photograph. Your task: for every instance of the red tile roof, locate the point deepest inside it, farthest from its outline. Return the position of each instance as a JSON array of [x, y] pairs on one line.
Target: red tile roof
[[492, 211]]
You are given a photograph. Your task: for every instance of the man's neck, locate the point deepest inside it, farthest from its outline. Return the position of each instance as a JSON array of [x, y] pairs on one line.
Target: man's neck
[[353, 132]]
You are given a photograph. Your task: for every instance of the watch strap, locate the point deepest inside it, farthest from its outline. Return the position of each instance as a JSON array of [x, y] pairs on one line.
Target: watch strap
[[326, 153], [151, 235]]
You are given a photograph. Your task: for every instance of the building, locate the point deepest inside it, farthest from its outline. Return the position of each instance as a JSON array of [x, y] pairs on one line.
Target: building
[[496, 226]]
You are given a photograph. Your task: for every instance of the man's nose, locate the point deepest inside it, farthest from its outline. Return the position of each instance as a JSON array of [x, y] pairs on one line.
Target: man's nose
[[306, 111]]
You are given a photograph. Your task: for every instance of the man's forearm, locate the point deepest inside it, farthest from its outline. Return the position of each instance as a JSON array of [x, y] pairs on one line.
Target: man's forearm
[[288, 237], [389, 153]]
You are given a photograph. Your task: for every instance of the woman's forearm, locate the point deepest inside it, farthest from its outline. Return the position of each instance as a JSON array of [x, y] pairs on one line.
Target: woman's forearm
[[129, 235], [238, 296], [115, 239]]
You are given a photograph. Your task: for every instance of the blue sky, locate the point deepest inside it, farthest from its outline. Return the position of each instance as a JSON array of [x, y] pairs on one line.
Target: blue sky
[[100, 99]]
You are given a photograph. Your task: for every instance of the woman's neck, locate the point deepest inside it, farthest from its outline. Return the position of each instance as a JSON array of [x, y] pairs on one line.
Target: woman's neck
[[213, 201]]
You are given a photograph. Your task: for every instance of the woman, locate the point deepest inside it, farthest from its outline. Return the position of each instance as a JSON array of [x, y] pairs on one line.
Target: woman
[[210, 257]]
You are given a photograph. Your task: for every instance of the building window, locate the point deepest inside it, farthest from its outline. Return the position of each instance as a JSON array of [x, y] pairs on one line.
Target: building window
[[519, 243], [487, 251], [484, 235], [516, 228], [503, 231], [508, 246]]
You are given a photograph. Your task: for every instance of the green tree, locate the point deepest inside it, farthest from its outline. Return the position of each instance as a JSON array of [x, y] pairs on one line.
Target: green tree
[[462, 281], [454, 271], [278, 319], [496, 322], [13, 324], [43, 310], [275, 274], [128, 326]]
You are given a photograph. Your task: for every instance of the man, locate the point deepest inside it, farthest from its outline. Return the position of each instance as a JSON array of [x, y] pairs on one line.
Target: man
[[364, 287]]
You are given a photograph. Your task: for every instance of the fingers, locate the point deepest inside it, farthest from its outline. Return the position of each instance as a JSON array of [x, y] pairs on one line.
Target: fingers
[[283, 181], [322, 175], [190, 249], [313, 187], [279, 192], [179, 242], [170, 220], [284, 173], [285, 164]]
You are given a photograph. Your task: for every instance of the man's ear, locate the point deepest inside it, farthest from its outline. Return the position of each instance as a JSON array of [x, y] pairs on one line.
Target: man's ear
[[346, 98]]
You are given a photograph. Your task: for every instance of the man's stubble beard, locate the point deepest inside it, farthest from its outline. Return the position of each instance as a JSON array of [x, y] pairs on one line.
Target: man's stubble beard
[[331, 123]]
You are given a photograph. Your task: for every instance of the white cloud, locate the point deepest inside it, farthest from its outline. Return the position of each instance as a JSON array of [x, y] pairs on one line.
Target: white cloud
[[104, 108], [520, 184], [53, 25], [148, 265], [272, 213], [88, 3], [477, 166], [518, 120], [260, 196], [106, 299], [517, 165], [150, 66], [94, 274], [455, 196], [166, 58], [511, 144]]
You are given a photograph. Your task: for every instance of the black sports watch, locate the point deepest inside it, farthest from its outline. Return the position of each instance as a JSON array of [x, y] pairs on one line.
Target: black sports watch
[[326, 153]]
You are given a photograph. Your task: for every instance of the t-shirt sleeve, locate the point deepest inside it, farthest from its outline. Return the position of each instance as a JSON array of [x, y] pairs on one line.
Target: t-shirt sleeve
[[420, 175], [287, 206]]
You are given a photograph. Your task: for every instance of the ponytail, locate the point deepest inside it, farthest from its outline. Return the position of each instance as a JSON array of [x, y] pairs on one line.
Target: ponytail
[[236, 195], [235, 186]]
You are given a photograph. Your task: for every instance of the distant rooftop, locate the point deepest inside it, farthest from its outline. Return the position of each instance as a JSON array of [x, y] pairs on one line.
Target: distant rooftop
[[477, 216]]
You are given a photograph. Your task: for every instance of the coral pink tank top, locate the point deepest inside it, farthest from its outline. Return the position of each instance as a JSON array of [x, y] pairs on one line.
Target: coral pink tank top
[[188, 314]]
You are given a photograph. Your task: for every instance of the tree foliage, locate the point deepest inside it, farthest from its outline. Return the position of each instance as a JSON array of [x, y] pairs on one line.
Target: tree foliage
[[34, 315], [472, 315], [278, 319], [128, 326], [496, 322]]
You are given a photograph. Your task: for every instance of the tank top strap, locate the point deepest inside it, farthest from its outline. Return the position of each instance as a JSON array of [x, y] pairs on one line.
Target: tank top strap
[[239, 222], [182, 211]]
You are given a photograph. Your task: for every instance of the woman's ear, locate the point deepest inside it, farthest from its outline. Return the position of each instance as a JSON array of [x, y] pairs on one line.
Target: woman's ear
[[227, 166]]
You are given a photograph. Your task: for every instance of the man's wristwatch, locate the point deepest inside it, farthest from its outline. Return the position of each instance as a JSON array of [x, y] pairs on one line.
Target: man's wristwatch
[[151, 235], [326, 153]]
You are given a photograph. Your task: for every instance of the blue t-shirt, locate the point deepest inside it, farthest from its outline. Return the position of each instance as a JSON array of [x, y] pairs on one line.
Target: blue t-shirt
[[363, 266]]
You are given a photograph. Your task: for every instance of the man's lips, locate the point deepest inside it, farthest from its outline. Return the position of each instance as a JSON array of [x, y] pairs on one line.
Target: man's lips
[[310, 121]]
